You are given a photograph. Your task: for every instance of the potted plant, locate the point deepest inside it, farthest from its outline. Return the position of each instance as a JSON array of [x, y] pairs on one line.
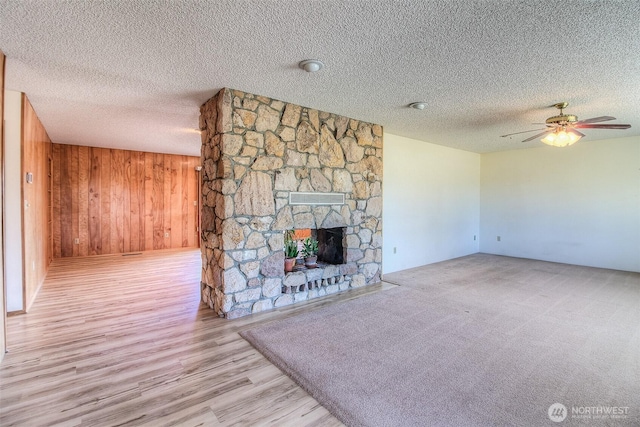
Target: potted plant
[[310, 252], [290, 251]]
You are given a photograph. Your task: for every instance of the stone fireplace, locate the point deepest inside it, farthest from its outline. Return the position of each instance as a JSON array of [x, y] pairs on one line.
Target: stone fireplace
[[257, 154]]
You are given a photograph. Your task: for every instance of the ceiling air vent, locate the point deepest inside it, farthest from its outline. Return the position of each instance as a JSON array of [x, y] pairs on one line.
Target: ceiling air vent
[[299, 198]]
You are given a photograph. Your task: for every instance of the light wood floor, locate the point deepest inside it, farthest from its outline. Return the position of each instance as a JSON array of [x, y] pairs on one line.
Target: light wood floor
[[124, 340]]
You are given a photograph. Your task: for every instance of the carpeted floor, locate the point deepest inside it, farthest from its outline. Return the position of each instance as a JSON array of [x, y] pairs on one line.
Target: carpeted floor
[[478, 340]]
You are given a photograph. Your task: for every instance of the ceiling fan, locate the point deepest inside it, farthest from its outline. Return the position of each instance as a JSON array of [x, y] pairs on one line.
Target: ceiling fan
[[562, 130]]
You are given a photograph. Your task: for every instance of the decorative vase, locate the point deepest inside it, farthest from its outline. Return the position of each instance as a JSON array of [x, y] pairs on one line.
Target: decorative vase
[[288, 264], [311, 261]]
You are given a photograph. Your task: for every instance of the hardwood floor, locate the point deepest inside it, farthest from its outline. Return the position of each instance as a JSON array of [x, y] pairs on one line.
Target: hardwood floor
[[124, 340]]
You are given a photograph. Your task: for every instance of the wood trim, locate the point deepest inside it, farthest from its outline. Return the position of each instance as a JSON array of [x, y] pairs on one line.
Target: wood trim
[[15, 313], [3, 279]]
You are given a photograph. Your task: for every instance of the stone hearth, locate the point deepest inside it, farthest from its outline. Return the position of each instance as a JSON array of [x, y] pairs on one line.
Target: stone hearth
[[255, 152]]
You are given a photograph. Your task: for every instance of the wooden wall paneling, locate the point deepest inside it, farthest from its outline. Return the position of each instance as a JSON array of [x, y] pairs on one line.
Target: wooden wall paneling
[[126, 202], [158, 201], [83, 200], [57, 251], [116, 238], [190, 176], [198, 213], [187, 208], [182, 208], [186, 204], [74, 176], [142, 182], [134, 200], [36, 210], [46, 217], [193, 197], [66, 220], [105, 210], [118, 201], [166, 206], [113, 206], [197, 195], [175, 205], [50, 206], [193, 183], [94, 190], [149, 235]]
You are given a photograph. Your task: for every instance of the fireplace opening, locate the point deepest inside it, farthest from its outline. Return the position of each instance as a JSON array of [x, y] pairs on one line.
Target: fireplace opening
[[330, 249], [330, 243]]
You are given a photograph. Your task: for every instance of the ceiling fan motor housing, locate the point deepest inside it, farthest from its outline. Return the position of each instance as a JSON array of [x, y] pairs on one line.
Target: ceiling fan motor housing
[[562, 119]]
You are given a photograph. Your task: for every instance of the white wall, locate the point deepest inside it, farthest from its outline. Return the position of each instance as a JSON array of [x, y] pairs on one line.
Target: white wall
[[13, 200], [577, 205], [431, 203]]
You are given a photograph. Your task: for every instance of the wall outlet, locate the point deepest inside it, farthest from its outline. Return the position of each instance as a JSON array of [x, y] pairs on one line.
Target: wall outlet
[[166, 234], [395, 249], [474, 237], [76, 241], [498, 238]]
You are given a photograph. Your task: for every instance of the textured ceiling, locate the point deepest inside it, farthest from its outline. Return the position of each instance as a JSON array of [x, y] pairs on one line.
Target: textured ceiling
[[132, 74]]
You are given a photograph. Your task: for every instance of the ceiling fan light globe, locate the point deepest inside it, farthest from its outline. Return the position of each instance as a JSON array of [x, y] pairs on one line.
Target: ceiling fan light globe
[[561, 139]]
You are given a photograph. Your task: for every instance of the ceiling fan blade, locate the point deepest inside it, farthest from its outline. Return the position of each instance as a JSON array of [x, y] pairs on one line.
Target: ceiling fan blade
[[517, 133], [597, 119], [592, 126], [538, 135]]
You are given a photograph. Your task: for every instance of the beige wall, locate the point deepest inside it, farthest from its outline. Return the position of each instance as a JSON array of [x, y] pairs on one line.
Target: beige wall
[[431, 203], [576, 205]]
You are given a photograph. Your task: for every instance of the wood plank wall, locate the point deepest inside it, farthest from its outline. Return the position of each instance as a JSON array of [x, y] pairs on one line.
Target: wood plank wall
[[118, 201], [36, 210]]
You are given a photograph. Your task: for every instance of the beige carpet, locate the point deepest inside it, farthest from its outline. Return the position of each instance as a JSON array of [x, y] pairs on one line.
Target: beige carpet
[[479, 340]]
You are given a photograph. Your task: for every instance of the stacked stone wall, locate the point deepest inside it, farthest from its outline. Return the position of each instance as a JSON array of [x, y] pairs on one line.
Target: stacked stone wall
[[255, 151]]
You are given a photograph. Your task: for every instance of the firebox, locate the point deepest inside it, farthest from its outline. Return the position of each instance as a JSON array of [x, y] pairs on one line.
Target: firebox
[[330, 243], [330, 248]]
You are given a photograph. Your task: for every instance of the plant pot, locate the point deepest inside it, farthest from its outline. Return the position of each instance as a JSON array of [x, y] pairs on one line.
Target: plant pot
[[288, 264], [311, 261]]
